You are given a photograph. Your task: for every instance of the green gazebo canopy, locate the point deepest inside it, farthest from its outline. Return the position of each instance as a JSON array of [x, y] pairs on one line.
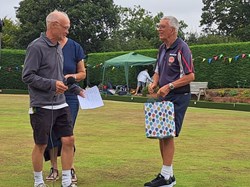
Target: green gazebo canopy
[[130, 59]]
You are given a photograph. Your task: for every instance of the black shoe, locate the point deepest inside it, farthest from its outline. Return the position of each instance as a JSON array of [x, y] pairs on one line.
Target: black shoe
[[73, 176], [173, 180], [160, 181]]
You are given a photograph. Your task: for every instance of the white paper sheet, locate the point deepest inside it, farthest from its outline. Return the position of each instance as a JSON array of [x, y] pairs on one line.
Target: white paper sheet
[[92, 99]]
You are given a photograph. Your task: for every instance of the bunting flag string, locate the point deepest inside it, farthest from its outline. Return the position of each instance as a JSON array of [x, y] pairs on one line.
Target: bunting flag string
[[221, 56], [236, 58], [11, 68]]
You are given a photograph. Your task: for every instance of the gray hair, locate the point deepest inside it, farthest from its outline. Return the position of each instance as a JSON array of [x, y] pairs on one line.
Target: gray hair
[[173, 22], [55, 16]]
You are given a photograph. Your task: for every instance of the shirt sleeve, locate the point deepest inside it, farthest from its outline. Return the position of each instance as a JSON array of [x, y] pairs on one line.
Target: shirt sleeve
[[185, 57], [80, 53]]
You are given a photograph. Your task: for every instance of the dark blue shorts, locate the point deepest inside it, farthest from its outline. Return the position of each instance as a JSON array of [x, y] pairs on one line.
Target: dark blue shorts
[[45, 120], [181, 102]]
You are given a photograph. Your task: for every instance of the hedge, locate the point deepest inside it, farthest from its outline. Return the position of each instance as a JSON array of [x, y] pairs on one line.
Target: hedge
[[222, 65]]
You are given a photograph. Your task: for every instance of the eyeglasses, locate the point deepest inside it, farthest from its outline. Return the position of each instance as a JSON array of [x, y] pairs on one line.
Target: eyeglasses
[[65, 27], [162, 27]]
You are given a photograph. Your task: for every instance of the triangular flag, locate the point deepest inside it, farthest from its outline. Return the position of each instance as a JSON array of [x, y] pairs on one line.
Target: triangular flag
[[236, 57], [113, 68], [210, 60], [230, 60], [221, 55], [215, 57], [203, 59], [243, 56]]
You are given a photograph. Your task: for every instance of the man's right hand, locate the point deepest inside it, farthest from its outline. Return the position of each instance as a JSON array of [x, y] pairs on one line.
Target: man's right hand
[[151, 88], [60, 87]]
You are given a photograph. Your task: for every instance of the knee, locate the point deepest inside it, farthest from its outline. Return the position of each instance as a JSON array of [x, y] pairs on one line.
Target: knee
[[68, 141], [168, 141], [40, 147]]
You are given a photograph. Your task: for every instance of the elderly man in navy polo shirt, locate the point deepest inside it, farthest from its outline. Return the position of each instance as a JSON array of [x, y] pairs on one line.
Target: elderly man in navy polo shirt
[[173, 73]]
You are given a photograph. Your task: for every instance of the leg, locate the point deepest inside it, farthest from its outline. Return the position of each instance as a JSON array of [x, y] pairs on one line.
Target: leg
[[37, 162], [74, 107], [143, 86], [137, 89], [139, 84], [54, 174], [167, 151], [67, 159], [63, 128], [53, 157], [37, 157], [67, 152]]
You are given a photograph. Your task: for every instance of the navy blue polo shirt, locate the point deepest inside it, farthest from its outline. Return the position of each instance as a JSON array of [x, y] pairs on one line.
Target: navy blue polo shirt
[[72, 53], [174, 62]]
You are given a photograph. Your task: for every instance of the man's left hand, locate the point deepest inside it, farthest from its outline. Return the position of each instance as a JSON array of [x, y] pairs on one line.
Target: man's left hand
[[163, 91]]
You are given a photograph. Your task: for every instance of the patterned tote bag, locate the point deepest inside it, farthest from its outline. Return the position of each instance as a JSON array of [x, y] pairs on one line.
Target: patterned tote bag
[[159, 119]]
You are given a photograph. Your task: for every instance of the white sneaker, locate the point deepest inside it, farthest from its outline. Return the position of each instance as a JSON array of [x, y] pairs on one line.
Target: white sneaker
[[42, 185]]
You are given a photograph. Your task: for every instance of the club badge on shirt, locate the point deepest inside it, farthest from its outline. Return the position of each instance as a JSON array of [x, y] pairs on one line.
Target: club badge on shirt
[[171, 59]]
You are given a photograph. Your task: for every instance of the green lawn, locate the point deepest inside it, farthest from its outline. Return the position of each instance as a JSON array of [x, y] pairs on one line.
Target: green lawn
[[213, 149]]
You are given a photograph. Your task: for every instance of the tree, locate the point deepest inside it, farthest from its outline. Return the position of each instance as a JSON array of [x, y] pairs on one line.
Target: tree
[[92, 21], [181, 32], [229, 17], [192, 38], [10, 33], [195, 38], [139, 24], [136, 30]]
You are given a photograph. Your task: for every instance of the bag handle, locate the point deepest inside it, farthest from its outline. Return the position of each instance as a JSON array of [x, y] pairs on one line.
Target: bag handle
[[153, 100]]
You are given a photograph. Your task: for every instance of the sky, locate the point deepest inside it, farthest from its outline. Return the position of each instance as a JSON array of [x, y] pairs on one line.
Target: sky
[[187, 10]]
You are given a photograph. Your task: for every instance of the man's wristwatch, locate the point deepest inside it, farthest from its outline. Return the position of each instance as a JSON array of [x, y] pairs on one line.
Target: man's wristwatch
[[171, 86]]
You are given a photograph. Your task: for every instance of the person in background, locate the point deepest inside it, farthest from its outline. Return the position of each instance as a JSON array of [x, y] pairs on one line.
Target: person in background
[[73, 67], [43, 73], [173, 73], [142, 78]]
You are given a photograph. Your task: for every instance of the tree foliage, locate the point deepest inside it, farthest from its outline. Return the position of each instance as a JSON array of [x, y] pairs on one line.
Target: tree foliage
[[9, 36], [136, 30], [228, 17], [92, 21], [197, 39], [97, 25]]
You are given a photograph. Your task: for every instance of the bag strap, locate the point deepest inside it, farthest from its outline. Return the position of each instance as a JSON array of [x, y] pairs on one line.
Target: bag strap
[[153, 100]]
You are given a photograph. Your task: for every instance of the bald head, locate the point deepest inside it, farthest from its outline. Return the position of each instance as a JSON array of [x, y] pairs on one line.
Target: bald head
[[56, 16], [58, 25]]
